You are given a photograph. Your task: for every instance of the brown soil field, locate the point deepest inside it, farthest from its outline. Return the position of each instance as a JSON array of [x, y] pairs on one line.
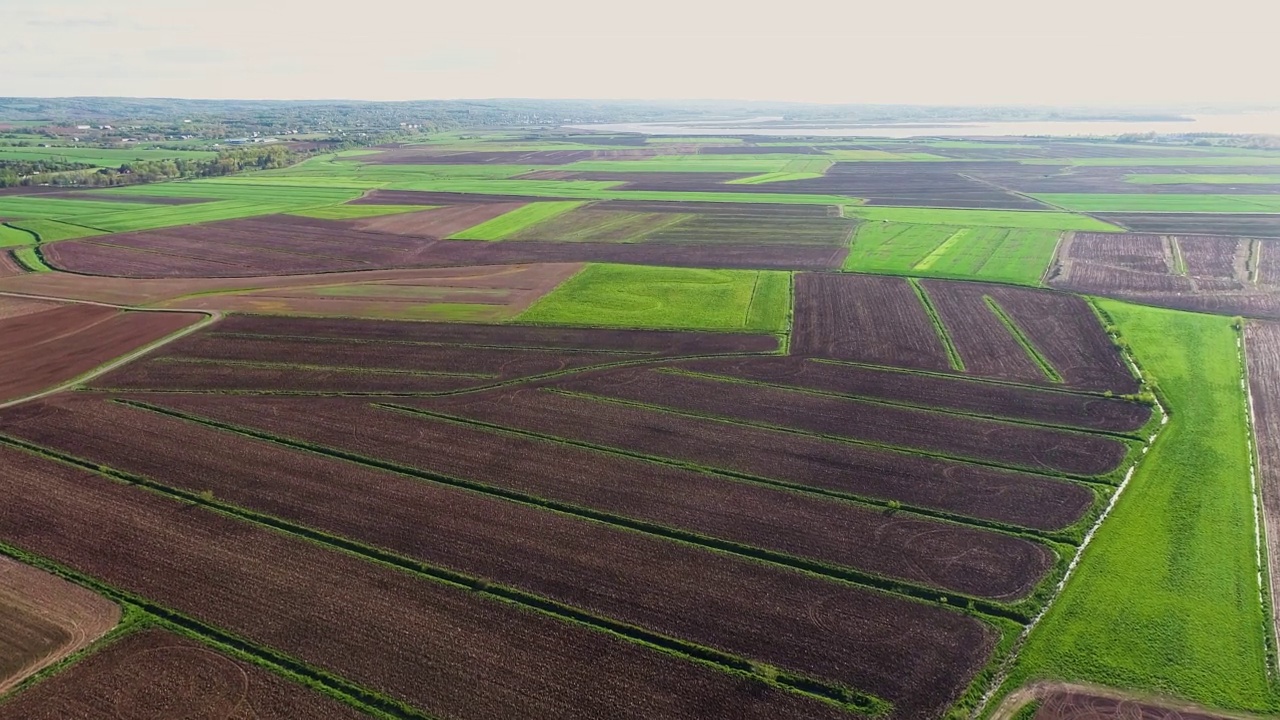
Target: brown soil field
[[1025, 446], [589, 224], [12, 307], [1088, 412], [865, 318], [435, 646], [156, 674], [45, 348], [985, 346], [1262, 355], [1215, 257], [1067, 333], [44, 619], [284, 245], [181, 291], [483, 365], [437, 223], [922, 655], [975, 491], [489, 293], [167, 374], [9, 267], [1261, 225], [951, 557], [1220, 274], [656, 342]]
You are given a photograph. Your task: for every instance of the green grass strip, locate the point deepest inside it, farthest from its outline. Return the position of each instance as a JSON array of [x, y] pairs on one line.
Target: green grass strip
[[942, 249], [1179, 262], [29, 257], [509, 223], [953, 356], [1045, 366], [1166, 598]]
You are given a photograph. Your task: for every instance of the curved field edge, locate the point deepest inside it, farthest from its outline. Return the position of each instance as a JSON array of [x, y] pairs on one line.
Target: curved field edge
[[1165, 599]]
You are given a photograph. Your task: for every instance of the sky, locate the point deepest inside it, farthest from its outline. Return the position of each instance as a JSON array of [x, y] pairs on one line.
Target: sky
[[1042, 52]]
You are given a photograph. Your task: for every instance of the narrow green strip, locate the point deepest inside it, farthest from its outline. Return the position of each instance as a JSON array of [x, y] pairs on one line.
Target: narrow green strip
[[953, 356], [1023, 340], [942, 249]]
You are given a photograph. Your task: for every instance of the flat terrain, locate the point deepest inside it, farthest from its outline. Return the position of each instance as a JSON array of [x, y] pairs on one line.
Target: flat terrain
[[44, 619], [545, 423], [154, 673]]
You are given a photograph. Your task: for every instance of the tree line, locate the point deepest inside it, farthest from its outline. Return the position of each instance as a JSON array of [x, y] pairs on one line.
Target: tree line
[[67, 174]]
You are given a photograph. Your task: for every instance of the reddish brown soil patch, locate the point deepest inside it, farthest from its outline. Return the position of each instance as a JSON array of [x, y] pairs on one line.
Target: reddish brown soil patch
[[991, 399], [12, 307], [1262, 353], [156, 674], [942, 555], [960, 488], [434, 646], [43, 619], [45, 348], [865, 318], [1206, 273], [9, 266], [916, 655], [1024, 446], [272, 353], [506, 290], [438, 223]]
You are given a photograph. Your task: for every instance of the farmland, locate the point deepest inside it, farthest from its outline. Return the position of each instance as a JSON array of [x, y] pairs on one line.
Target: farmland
[[541, 422]]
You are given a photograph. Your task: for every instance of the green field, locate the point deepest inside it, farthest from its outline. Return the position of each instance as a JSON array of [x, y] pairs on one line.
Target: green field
[[1014, 255], [1199, 179], [1169, 202], [516, 220], [1166, 598], [670, 298], [53, 230], [1030, 219], [12, 236]]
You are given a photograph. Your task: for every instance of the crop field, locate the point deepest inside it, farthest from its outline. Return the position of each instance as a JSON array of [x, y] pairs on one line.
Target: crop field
[[486, 293], [155, 673], [539, 422], [43, 619], [1228, 275], [59, 343], [646, 297], [997, 254]]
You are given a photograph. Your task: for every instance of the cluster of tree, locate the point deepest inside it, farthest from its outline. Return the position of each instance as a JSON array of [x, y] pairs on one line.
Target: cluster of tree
[[12, 172], [228, 162]]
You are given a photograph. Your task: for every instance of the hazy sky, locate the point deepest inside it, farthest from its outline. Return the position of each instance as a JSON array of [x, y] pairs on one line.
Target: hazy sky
[[904, 51]]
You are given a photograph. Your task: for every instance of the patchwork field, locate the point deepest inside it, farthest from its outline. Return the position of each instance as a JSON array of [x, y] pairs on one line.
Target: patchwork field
[[540, 422]]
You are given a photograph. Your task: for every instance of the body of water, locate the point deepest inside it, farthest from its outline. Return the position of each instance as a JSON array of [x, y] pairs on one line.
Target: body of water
[[1238, 123]]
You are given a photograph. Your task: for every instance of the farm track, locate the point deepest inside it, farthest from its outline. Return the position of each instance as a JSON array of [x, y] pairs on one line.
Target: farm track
[[795, 529], [713, 599], [421, 642], [82, 364]]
